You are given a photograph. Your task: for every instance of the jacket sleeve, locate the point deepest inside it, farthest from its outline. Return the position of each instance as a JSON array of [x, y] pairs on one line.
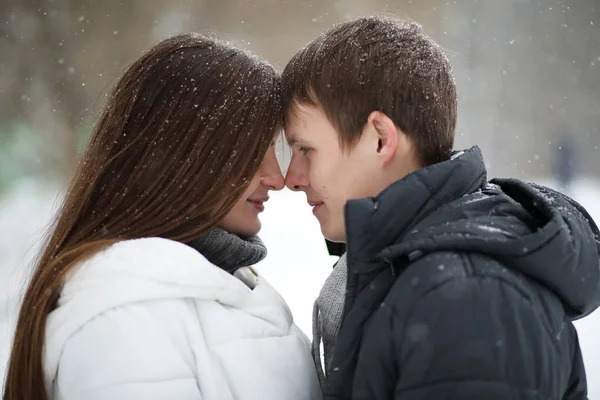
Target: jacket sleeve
[[473, 338], [130, 352]]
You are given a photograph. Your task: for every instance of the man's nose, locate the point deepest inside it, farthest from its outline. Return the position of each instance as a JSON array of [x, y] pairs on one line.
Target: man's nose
[[296, 179]]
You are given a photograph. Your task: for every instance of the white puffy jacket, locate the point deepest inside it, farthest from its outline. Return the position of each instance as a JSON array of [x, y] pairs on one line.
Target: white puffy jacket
[[153, 319]]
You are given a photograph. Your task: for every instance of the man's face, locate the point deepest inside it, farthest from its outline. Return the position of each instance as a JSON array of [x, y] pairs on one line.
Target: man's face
[[327, 175]]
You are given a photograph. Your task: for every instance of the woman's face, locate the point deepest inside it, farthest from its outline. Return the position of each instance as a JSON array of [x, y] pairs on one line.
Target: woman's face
[[242, 219]]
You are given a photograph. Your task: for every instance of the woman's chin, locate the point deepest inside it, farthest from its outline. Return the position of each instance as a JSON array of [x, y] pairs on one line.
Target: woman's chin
[[254, 229]]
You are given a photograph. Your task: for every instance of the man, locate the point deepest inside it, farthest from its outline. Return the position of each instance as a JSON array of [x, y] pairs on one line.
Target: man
[[452, 287]]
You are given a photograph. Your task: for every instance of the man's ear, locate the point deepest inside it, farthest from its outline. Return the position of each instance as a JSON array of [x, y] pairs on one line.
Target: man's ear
[[387, 136]]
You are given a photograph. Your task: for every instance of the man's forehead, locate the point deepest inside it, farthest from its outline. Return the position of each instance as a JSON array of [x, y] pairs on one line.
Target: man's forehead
[[297, 118], [297, 125]]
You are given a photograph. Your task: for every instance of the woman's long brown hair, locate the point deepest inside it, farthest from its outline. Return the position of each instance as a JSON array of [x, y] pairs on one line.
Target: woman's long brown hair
[[182, 134]]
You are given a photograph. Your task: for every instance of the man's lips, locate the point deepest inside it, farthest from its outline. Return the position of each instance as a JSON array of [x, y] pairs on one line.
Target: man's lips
[[316, 205]]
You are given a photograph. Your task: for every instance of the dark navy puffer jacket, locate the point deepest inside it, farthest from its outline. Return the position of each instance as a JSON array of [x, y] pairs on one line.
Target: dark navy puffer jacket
[[459, 288]]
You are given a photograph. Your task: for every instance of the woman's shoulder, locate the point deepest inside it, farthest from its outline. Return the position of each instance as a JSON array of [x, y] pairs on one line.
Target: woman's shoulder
[[148, 264], [151, 251], [147, 275], [123, 346]]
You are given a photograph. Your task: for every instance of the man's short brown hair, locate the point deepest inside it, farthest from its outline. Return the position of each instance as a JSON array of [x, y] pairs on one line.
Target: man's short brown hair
[[378, 64]]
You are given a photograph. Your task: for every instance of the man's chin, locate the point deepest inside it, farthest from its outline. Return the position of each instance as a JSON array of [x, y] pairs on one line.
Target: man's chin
[[332, 235]]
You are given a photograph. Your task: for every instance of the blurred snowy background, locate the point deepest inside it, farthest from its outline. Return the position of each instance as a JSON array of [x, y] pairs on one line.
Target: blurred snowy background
[[528, 74]]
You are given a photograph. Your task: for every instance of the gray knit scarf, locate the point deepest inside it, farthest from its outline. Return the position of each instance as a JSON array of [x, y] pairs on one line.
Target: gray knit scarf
[[327, 316], [228, 251]]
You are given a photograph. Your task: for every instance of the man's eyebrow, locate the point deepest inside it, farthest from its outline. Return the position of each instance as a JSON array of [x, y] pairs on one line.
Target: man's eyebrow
[[294, 140]]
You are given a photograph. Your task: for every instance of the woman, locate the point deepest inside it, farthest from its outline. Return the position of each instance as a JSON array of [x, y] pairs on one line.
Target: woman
[[143, 290]]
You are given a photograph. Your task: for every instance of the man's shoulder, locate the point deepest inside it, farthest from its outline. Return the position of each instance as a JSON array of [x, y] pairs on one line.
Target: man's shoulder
[[442, 276], [447, 264], [436, 271]]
